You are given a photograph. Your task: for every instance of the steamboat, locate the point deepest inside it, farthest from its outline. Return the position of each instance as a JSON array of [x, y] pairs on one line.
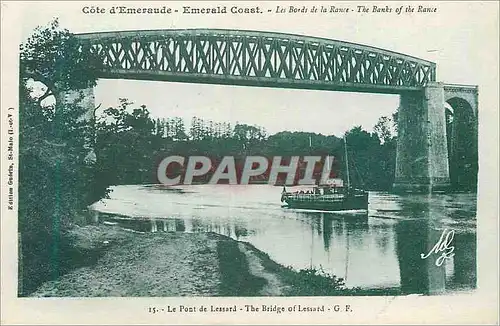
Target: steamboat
[[334, 196]]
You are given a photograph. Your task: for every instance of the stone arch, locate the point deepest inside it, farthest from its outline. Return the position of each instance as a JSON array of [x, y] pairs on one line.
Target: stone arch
[[461, 135]]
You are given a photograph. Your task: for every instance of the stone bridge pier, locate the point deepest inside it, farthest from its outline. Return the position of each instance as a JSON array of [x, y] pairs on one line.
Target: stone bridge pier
[[425, 143], [84, 98]]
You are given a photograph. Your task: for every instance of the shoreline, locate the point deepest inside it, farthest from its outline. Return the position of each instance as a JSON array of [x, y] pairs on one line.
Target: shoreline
[[126, 263]]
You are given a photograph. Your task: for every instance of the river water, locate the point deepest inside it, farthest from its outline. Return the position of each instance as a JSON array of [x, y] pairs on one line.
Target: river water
[[379, 250]]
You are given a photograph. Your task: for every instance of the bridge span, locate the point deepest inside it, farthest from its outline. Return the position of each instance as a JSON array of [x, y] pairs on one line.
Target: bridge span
[[252, 58], [430, 148]]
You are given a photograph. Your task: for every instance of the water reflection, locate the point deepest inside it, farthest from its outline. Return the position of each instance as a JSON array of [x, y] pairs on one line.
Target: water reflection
[[422, 275], [380, 249], [142, 224], [420, 232], [418, 275], [327, 233], [464, 262]]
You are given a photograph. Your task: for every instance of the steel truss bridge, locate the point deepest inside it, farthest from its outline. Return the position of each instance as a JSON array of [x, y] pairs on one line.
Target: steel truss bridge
[[253, 58]]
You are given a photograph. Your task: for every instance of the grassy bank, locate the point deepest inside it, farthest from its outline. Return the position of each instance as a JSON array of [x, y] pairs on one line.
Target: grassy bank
[[314, 282], [112, 261], [236, 279]]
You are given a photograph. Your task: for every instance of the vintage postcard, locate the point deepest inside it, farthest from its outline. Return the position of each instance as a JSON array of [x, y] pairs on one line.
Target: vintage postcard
[[240, 162]]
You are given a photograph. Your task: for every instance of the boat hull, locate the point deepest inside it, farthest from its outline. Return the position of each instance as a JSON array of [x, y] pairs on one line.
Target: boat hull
[[358, 202]]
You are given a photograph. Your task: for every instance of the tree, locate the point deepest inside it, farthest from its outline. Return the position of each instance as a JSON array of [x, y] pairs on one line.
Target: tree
[[248, 135], [56, 58], [395, 121], [364, 158], [56, 182], [127, 142], [180, 129], [385, 129]]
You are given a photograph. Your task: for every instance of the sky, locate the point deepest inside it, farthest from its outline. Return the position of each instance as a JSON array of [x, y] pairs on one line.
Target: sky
[[450, 37], [275, 109]]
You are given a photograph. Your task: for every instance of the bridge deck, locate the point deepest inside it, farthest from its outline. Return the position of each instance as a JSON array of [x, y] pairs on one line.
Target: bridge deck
[[253, 58]]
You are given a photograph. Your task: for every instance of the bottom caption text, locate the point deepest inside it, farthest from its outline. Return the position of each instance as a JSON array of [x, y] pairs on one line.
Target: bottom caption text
[[250, 308]]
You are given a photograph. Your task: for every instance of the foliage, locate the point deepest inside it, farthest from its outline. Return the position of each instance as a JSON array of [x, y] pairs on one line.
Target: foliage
[[249, 135], [371, 162], [53, 56], [56, 178], [130, 144], [171, 128], [321, 279], [127, 142], [385, 129]]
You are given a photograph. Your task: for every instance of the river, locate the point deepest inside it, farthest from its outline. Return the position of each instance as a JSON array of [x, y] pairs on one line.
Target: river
[[381, 250]]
